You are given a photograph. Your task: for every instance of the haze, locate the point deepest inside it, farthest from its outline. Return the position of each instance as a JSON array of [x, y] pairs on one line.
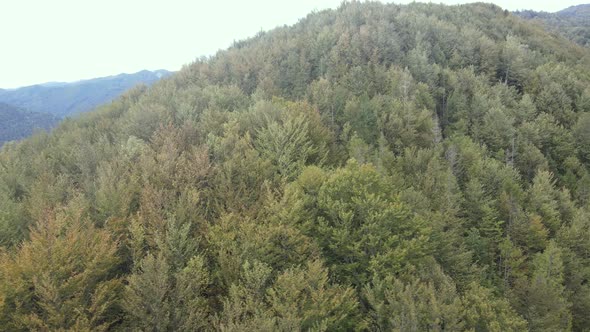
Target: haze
[[68, 40]]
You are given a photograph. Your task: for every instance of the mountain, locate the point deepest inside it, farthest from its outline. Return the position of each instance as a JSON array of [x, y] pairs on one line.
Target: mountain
[[41, 106], [376, 167], [17, 123], [572, 22], [578, 11], [64, 99]]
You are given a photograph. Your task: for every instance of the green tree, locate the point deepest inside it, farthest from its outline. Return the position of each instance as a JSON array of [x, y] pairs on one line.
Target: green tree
[[146, 297], [542, 200], [546, 302], [582, 135], [513, 61], [485, 312], [288, 146], [303, 299], [359, 223], [420, 305], [159, 298]]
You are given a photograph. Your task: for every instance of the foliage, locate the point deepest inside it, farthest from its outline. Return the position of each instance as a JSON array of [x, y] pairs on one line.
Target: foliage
[[374, 167]]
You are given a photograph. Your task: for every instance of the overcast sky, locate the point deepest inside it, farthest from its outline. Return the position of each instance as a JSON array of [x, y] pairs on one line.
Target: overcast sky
[[69, 40]]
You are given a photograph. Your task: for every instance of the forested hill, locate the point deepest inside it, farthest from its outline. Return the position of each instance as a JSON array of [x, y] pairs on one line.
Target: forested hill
[[572, 22], [374, 167], [64, 99], [17, 123]]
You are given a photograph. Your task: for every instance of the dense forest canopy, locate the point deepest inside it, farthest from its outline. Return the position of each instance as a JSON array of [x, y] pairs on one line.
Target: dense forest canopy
[[374, 167]]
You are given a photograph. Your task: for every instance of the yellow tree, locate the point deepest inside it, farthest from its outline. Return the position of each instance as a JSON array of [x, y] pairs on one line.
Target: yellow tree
[[63, 277]]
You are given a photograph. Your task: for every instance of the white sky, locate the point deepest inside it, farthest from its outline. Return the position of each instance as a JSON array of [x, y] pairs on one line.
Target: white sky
[[69, 40]]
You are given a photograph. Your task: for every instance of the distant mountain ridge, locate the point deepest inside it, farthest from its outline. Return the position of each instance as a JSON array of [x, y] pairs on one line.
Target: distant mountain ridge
[[575, 10], [572, 22], [42, 106], [64, 99]]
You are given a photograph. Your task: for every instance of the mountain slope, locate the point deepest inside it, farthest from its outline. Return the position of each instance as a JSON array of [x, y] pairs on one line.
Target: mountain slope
[[374, 167], [17, 123], [572, 22], [63, 99]]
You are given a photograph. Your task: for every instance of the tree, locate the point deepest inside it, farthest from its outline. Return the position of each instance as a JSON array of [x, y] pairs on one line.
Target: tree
[[419, 305], [513, 62], [361, 115], [542, 200], [64, 277], [485, 312], [554, 100], [359, 224], [582, 135], [303, 299], [288, 146], [146, 298], [497, 130], [575, 244], [243, 307], [485, 222], [161, 298], [547, 306]]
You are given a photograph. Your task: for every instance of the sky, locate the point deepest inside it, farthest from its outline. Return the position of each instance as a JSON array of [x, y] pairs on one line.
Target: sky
[[69, 40]]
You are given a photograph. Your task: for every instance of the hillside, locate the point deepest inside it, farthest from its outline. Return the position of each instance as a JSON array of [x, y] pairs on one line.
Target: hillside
[[374, 168], [572, 22], [64, 99], [16, 123]]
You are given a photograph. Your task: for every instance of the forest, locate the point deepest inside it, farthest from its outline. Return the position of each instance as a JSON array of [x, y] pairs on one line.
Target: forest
[[376, 167], [572, 22], [17, 123]]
